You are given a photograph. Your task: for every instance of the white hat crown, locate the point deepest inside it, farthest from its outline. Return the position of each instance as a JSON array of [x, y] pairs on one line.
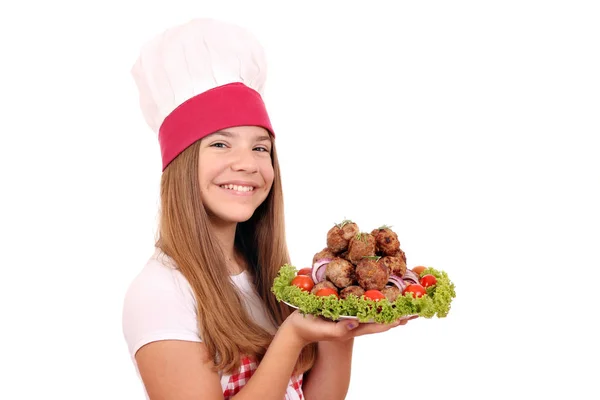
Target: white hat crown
[[192, 58]]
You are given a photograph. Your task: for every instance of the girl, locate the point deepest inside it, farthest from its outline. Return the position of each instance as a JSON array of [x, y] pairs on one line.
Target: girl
[[199, 319]]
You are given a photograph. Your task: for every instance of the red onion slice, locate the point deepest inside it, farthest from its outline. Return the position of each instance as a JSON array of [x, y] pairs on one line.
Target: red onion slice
[[411, 276], [398, 282], [318, 269]]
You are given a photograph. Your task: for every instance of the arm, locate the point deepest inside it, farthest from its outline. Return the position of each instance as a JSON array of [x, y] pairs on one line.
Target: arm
[[329, 378], [272, 376], [179, 370]]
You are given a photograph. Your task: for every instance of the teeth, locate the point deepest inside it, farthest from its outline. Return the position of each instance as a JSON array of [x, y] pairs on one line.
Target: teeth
[[238, 188]]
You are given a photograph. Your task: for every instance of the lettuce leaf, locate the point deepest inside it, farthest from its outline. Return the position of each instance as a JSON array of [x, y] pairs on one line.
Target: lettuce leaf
[[435, 303]]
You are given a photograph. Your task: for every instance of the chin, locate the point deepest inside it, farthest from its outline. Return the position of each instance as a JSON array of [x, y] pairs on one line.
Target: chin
[[235, 216], [241, 218]]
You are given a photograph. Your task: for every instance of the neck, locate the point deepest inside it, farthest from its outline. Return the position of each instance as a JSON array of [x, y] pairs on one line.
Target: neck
[[225, 234]]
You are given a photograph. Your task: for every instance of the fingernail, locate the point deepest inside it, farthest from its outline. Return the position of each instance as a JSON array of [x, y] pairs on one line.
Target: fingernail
[[352, 325]]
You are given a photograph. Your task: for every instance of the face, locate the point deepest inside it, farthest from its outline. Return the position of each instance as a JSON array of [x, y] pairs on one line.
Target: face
[[235, 172]]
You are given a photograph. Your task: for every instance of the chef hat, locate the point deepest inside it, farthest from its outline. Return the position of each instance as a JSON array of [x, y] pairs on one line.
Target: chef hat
[[198, 78]]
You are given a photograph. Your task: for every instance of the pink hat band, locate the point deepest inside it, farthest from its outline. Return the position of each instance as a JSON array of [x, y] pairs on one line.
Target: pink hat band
[[226, 106]]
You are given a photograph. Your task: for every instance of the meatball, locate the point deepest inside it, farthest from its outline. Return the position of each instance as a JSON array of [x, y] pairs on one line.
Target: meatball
[[360, 246], [340, 272], [400, 254], [387, 241], [371, 274], [391, 293], [321, 285], [339, 236], [354, 290], [325, 253], [395, 265]]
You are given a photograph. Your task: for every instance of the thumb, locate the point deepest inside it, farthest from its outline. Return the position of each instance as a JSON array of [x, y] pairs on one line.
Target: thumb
[[349, 325]]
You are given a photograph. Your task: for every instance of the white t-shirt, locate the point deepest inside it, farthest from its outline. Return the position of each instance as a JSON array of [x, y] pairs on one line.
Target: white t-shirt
[[160, 305]]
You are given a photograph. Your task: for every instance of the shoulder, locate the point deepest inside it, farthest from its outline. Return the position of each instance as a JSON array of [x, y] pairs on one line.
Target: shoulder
[[158, 305], [159, 275], [159, 281]]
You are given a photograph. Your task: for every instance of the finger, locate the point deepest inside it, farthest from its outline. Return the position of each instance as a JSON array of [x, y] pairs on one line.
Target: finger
[[367, 329], [340, 330], [404, 320], [348, 325]]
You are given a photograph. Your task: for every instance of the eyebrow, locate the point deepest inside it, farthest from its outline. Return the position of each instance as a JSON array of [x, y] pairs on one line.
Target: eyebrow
[[228, 134]]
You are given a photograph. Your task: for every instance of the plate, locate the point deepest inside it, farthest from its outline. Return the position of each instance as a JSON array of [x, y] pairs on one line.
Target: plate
[[343, 317]]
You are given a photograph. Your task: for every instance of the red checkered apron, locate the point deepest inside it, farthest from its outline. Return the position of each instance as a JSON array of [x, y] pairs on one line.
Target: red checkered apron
[[232, 384]]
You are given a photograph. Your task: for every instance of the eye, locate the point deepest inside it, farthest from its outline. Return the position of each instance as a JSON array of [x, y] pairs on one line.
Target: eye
[[219, 145], [262, 149]]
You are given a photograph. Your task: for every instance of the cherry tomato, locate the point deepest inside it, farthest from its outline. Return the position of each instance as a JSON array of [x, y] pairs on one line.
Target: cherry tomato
[[303, 282], [419, 269], [428, 280], [374, 295], [305, 271], [327, 292], [415, 289]]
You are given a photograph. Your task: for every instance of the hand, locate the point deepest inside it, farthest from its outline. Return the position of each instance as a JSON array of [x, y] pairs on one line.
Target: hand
[[309, 328]]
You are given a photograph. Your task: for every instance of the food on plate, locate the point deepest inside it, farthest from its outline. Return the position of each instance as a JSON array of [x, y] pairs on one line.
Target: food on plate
[[304, 282], [400, 254], [391, 293], [322, 285], [414, 289], [338, 237], [374, 295], [358, 270], [370, 274], [419, 269], [340, 272], [327, 292], [354, 290], [360, 246], [428, 280], [386, 240], [395, 265], [325, 253]]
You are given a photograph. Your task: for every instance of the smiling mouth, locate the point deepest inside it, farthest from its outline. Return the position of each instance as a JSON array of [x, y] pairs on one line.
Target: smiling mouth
[[238, 188]]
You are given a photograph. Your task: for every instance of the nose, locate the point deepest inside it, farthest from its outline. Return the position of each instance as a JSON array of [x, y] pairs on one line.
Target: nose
[[244, 161]]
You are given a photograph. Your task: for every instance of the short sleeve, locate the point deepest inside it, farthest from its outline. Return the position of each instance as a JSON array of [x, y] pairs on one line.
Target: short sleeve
[[159, 305]]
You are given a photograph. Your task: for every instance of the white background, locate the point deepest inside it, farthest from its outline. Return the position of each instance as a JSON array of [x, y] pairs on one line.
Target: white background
[[467, 126]]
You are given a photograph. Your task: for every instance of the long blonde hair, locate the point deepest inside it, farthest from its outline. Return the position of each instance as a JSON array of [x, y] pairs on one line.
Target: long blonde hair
[[185, 235]]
